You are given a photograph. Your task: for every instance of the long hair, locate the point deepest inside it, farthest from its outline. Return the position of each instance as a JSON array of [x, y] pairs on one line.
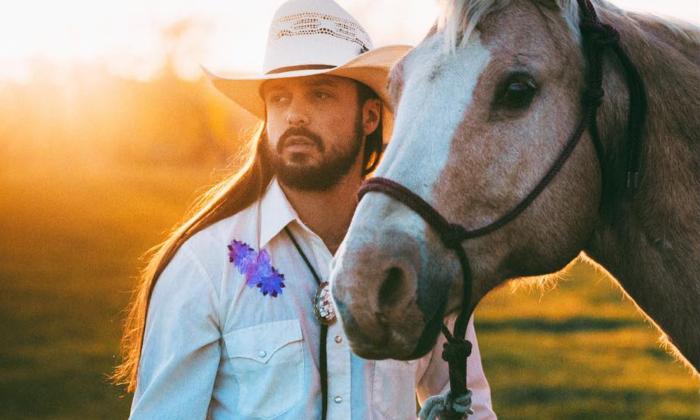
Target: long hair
[[224, 199]]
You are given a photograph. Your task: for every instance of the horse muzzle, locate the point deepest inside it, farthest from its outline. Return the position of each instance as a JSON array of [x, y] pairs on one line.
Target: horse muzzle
[[385, 310]]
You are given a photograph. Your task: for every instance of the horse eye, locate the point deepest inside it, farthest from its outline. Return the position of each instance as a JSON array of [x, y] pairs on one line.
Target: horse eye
[[517, 92]]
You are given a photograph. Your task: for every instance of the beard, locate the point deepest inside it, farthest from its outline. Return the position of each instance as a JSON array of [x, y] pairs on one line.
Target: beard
[[335, 164]]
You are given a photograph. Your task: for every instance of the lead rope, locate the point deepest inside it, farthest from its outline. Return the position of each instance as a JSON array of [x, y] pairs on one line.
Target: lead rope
[[323, 357], [457, 403], [596, 37]]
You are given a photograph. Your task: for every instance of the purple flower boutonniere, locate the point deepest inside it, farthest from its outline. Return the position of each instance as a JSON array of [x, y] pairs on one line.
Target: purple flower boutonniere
[[256, 267]]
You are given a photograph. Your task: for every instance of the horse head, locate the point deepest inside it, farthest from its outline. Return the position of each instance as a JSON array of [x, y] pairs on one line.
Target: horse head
[[484, 105]]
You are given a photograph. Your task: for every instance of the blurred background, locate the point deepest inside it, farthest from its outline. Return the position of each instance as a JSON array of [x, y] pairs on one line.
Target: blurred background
[[108, 132]]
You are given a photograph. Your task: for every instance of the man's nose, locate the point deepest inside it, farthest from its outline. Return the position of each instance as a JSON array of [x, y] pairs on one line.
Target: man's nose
[[297, 114]]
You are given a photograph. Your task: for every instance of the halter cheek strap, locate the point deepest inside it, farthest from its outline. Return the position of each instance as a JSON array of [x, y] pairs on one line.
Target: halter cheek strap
[[597, 37]]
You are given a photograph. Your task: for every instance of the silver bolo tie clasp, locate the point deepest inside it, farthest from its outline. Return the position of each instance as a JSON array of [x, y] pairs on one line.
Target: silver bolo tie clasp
[[323, 304]]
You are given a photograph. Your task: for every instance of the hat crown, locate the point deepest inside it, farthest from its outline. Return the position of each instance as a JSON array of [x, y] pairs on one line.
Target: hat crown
[[313, 34]]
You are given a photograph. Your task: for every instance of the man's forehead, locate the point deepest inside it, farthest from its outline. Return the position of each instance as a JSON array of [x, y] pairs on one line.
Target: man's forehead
[[308, 81]]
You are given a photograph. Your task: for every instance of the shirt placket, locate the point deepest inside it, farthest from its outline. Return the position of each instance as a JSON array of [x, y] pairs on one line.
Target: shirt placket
[[337, 349], [338, 373]]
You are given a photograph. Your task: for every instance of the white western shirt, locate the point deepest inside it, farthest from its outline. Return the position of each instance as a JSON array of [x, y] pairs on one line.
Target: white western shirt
[[216, 348]]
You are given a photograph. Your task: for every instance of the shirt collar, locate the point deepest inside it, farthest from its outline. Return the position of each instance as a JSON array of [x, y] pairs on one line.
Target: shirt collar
[[276, 212]]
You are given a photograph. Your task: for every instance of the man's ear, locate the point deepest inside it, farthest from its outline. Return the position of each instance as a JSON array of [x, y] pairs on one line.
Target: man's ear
[[371, 113]]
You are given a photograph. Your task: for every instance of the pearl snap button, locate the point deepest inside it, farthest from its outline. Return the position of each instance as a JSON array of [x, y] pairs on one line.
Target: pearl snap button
[[338, 339], [262, 353], [338, 399]]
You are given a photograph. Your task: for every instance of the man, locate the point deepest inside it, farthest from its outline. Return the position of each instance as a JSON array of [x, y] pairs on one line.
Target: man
[[239, 321]]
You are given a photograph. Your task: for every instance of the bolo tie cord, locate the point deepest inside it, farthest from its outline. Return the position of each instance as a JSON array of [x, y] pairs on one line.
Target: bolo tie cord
[[324, 331]]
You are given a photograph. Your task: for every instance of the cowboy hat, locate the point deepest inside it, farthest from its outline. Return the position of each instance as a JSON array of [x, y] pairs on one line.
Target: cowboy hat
[[312, 37]]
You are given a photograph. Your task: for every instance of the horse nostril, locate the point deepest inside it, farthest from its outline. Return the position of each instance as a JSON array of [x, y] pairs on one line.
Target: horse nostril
[[392, 288]]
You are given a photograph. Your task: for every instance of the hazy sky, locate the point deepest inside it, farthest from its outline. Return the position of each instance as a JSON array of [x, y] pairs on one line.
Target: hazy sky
[[127, 37]]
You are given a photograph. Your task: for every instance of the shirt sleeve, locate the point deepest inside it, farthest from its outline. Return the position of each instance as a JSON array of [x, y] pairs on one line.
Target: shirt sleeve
[[434, 378], [181, 351]]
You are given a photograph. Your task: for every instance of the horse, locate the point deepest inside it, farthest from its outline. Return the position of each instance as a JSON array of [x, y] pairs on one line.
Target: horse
[[484, 105]]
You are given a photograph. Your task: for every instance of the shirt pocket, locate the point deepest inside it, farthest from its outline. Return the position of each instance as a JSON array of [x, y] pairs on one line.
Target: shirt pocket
[[394, 389], [268, 365]]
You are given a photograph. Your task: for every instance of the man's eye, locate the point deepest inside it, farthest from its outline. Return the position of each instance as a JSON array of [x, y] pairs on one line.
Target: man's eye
[[277, 99], [321, 95]]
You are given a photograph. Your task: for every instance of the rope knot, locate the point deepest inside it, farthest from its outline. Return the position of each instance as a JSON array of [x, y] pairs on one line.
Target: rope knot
[[456, 349], [600, 34], [453, 236]]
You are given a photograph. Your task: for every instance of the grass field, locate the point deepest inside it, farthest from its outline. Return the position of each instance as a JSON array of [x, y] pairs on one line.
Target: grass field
[[69, 247]]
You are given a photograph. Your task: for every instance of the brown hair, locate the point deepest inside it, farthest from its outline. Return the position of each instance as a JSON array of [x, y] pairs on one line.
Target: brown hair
[[224, 199], [374, 143]]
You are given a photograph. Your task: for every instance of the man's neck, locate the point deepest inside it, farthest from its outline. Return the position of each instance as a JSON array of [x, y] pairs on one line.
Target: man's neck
[[327, 213]]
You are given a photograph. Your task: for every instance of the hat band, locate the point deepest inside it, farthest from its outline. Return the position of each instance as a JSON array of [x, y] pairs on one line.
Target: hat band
[[302, 67]]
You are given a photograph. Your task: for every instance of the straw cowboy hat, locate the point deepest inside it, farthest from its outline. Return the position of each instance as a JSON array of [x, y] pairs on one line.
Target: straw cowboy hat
[[311, 37]]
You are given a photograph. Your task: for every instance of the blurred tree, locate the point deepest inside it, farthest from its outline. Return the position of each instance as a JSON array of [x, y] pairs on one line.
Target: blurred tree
[[87, 114]]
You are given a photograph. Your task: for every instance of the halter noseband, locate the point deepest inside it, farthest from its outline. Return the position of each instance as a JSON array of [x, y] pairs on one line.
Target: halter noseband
[[596, 37]]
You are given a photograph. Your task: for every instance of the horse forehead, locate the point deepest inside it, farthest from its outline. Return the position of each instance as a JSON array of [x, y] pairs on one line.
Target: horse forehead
[[437, 93], [434, 64], [429, 58]]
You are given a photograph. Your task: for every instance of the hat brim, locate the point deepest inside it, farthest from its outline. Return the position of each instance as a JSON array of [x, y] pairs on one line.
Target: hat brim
[[370, 68]]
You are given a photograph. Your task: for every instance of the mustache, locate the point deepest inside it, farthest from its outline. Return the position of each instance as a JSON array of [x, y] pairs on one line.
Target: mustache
[[300, 132]]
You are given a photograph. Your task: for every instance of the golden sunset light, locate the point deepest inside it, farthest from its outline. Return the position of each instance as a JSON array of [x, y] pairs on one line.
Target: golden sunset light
[[132, 37], [116, 150]]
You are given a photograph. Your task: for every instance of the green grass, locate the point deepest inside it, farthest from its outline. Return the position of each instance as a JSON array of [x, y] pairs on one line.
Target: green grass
[[579, 351], [69, 254]]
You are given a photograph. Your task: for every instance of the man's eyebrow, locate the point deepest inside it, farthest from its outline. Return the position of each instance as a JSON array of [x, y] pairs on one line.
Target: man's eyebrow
[[321, 81], [270, 86], [313, 82]]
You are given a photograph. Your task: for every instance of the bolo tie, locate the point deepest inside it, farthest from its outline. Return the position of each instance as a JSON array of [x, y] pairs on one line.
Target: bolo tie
[[323, 309]]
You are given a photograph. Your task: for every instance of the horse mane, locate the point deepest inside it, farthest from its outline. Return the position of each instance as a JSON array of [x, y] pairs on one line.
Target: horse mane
[[459, 18], [681, 28]]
